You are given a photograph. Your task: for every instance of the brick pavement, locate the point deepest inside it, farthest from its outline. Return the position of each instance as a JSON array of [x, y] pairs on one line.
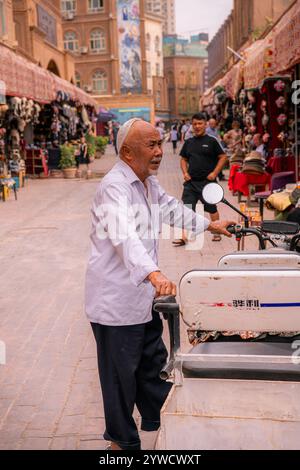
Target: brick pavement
[[49, 391]]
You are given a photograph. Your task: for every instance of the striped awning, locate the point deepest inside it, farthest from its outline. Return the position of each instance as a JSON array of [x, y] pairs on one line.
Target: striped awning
[[23, 78]]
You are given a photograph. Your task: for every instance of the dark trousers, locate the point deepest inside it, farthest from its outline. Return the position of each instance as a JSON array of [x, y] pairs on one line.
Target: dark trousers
[[130, 359]]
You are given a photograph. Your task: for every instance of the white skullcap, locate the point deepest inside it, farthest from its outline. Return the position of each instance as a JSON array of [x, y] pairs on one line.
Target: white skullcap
[[123, 132]]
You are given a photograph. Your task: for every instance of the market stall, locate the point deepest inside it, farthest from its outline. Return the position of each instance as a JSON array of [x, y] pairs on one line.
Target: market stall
[[37, 109]]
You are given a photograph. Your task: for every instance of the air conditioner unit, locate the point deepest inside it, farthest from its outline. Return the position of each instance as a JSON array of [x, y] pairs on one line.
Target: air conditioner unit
[[69, 15], [84, 50]]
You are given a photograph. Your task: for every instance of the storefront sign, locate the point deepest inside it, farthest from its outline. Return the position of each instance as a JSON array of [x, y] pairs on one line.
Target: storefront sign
[[47, 24], [129, 46], [124, 114]]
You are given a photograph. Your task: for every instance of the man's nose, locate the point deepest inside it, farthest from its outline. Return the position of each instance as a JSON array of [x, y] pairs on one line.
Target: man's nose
[[158, 151]]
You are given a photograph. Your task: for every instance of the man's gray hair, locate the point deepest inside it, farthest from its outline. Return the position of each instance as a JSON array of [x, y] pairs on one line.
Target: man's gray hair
[[123, 132]]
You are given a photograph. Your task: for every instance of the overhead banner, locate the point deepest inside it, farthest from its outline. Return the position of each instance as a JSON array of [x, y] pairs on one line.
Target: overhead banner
[[129, 46]]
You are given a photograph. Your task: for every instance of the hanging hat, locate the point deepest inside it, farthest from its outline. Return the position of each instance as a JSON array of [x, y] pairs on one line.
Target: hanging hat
[[123, 132]]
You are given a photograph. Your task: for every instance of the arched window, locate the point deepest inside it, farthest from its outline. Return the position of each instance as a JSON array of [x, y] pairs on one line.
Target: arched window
[[193, 79], [98, 41], [194, 104], [182, 104], [99, 82], [71, 41], [78, 79], [170, 79], [182, 79], [68, 6], [157, 44], [158, 98], [148, 42]]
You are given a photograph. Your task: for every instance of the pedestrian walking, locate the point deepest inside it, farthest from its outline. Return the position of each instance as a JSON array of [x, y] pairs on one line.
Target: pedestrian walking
[[174, 137], [202, 159]]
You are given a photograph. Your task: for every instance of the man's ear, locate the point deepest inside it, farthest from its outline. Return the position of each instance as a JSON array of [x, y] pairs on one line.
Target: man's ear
[[126, 153]]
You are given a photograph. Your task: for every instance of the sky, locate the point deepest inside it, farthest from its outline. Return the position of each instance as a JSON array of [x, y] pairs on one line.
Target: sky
[[201, 15]]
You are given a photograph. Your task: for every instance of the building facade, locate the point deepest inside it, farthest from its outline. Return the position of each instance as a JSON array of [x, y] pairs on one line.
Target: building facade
[[7, 25], [247, 22], [166, 8], [117, 48], [153, 44], [169, 14], [185, 62], [39, 35]]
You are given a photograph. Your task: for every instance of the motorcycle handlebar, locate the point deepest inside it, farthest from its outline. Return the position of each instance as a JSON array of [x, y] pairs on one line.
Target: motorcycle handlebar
[[242, 231]]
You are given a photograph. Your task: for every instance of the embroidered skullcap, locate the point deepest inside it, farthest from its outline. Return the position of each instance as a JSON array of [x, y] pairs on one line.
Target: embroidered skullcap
[[123, 132]]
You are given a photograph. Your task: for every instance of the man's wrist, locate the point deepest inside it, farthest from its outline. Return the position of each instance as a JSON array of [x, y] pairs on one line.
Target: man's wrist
[[152, 275]]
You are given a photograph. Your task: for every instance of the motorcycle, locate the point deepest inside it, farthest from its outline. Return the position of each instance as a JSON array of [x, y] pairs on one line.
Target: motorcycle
[[238, 387]]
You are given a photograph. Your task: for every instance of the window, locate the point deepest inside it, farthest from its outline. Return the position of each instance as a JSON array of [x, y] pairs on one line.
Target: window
[[148, 69], [70, 41], [68, 6], [193, 79], [182, 106], [98, 41], [158, 98], [182, 79], [194, 104], [148, 42], [157, 69], [77, 80], [95, 5], [2, 19], [154, 6], [157, 44], [99, 82]]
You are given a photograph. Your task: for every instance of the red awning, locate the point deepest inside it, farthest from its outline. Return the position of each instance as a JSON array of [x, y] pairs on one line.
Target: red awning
[[233, 80], [287, 40], [25, 79], [207, 99], [259, 62]]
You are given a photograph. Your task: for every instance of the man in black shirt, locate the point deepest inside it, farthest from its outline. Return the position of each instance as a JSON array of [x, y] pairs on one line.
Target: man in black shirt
[[202, 159]]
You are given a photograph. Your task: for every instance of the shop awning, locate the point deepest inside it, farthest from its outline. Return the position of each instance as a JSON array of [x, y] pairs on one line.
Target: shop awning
[[233, 80], [287, 40], [207, 99], [23, 78], [259, 62]]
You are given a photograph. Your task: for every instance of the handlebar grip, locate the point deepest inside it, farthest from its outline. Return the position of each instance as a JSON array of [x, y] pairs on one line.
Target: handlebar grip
[[231, 229]]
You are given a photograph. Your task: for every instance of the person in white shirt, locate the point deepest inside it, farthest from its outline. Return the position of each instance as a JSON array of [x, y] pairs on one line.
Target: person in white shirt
[[123, 278]]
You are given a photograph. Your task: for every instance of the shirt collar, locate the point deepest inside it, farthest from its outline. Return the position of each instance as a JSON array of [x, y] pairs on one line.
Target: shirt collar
[[130, 174]]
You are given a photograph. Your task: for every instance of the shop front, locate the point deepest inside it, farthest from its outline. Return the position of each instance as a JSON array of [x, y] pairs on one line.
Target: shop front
[[38, 112]]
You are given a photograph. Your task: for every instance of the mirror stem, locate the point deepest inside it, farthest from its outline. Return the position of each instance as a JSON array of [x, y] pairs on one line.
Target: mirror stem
[[238, 211]]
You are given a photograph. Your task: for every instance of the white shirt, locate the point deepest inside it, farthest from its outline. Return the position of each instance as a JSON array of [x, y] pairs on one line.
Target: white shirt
[[117, 292]]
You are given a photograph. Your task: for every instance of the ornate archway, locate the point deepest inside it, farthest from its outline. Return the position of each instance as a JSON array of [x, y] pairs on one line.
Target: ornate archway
[[52, 67]]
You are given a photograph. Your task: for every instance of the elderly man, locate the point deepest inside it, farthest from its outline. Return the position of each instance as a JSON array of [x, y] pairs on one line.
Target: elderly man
[[123, 278]]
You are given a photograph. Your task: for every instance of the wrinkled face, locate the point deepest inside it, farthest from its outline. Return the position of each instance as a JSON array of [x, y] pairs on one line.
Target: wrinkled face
[[199, 127], [143, 150]]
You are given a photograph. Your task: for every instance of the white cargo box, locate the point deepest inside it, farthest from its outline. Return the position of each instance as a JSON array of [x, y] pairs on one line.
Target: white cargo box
[[272, 259], [214, 414]]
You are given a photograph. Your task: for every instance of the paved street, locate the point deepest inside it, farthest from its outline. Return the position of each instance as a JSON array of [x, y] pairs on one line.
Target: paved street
[[49, 390]]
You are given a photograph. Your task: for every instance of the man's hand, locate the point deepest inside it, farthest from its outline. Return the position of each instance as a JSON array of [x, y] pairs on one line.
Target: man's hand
[[162, 285], [212, 176], [187, 177], [220, 226]]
